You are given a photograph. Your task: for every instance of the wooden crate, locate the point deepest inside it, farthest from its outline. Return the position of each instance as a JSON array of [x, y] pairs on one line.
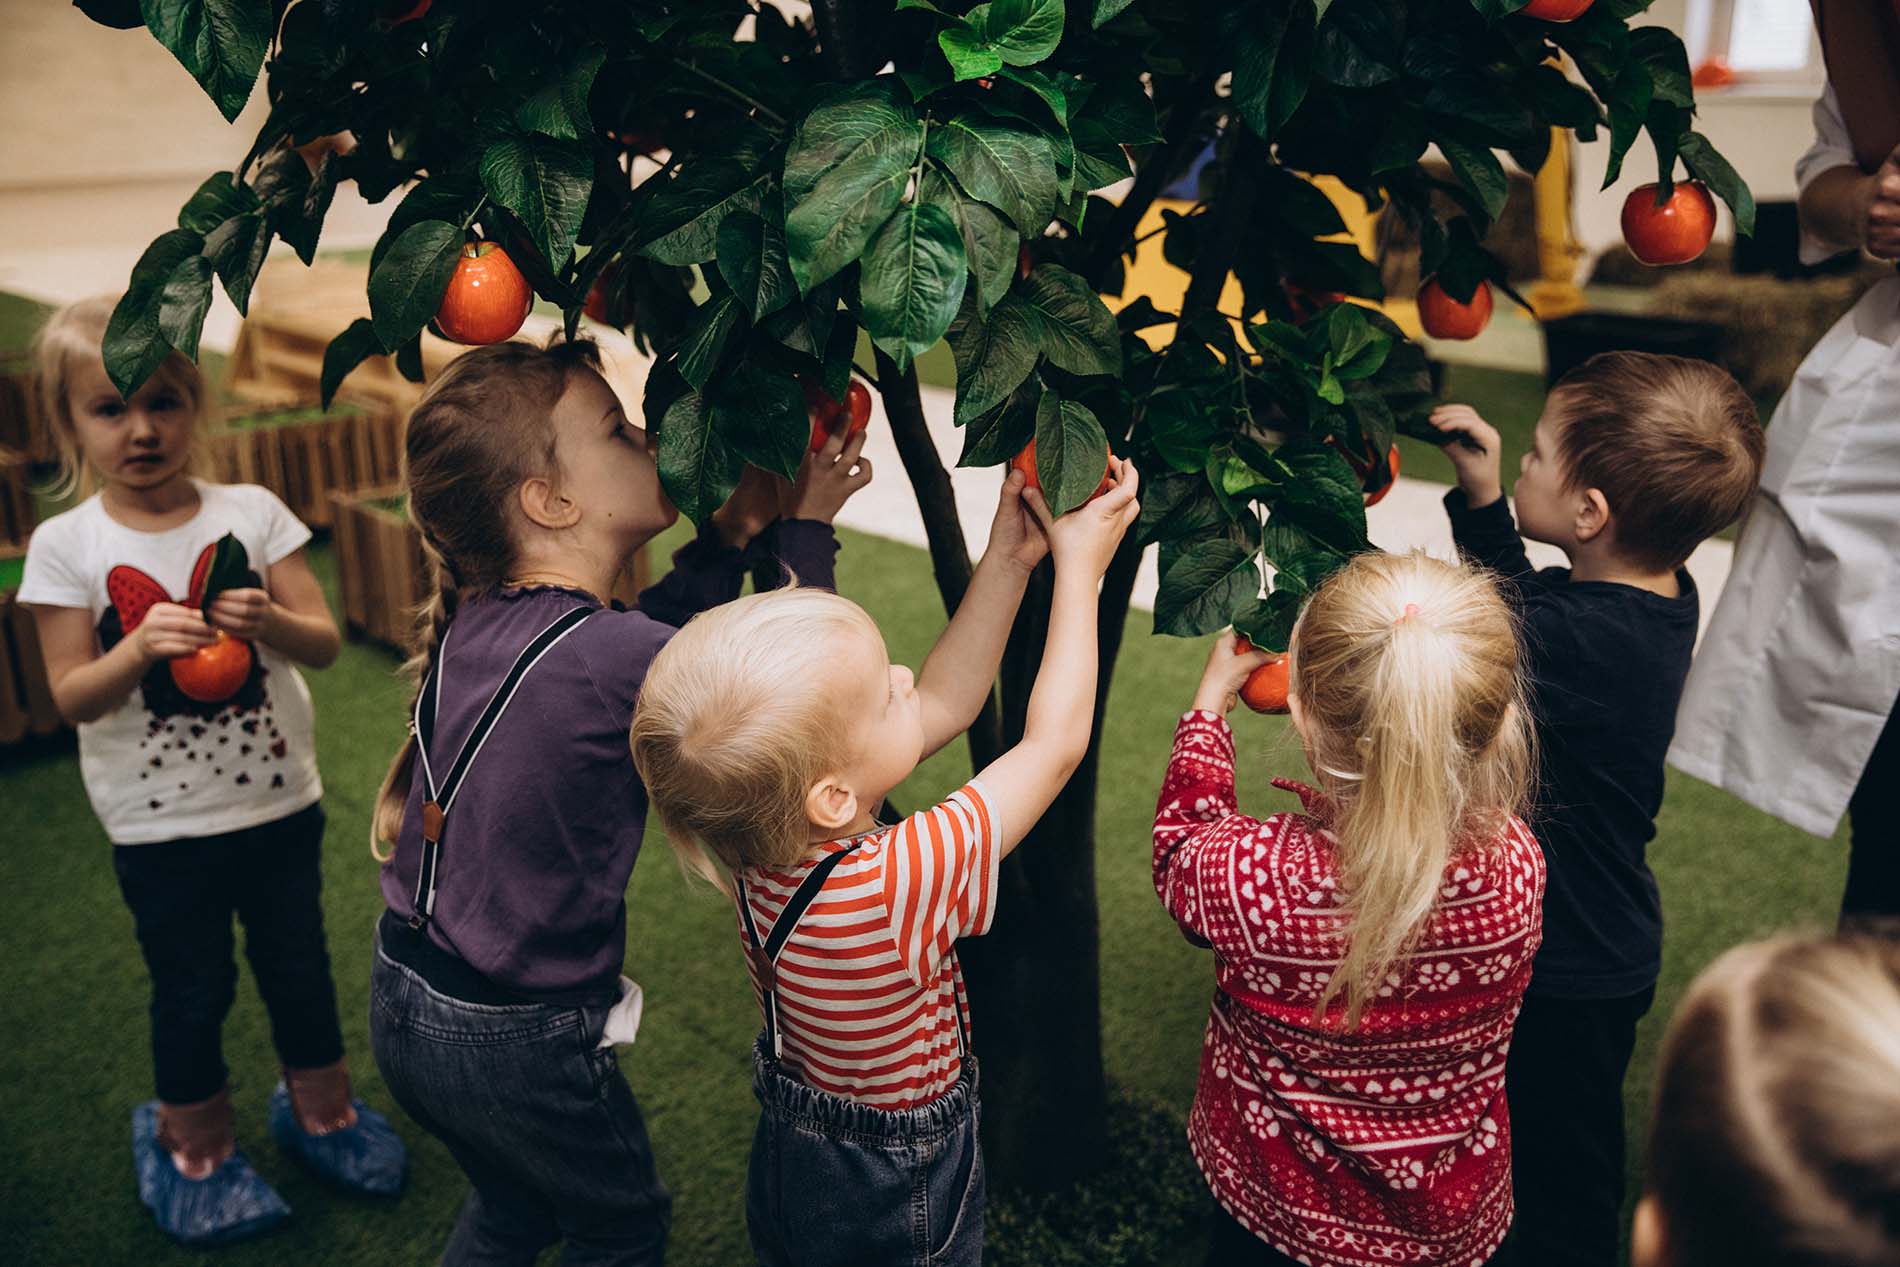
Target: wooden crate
[[383, 575], [17, 515], [20, 429], [26, 699], [304, 461]]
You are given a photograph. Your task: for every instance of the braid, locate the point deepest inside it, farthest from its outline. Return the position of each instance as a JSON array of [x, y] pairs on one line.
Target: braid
[[470, 443]]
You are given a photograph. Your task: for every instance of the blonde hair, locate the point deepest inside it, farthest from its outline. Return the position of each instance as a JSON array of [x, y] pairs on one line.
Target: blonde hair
[[483, 426], [1775, 1139], [73, 334], [736, 720], [1405, 669]]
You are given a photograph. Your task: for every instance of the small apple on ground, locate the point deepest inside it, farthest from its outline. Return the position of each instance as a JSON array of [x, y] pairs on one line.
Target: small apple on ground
[[828, 417], [214, 673], [1265, 688], [1026, 463], [487, 299], [1673, 233], [1445, 318]]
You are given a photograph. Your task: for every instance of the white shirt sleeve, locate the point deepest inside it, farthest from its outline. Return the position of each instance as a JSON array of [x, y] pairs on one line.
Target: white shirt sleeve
[[284, 533], [54, 576], [1832, 148]]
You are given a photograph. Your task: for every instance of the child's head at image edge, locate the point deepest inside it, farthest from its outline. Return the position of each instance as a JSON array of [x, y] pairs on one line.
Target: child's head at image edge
[[1406, 693], [1674, 446], [770, 722], [87, 417], [1775, 1140]]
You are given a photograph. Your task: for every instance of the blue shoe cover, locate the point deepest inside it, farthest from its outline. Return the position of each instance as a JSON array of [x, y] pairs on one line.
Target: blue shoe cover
[[368, 1157], [229, 1204]]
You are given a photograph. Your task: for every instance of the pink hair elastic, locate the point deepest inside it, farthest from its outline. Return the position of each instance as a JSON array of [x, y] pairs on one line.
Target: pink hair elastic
[[1411, 610]]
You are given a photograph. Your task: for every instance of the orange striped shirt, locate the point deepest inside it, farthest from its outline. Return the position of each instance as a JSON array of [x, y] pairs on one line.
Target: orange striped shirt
[[869, 988]]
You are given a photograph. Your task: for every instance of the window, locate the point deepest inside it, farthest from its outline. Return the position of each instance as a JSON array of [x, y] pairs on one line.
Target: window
[[1765, 42]]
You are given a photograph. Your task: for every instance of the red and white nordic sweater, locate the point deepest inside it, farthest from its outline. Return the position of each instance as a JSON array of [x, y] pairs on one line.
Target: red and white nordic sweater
[[1387, 1145]]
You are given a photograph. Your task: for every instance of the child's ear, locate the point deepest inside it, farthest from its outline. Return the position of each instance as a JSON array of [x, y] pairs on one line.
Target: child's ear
[[830, 805], [1592, 516], [1646, 1234], [544, 506]]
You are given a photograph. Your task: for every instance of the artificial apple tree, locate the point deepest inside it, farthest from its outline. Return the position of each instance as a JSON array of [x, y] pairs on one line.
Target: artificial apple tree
[[772, 204]]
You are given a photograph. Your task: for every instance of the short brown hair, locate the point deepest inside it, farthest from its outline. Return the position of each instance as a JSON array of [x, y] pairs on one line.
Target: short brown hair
[[1674, 445], [1775, 1138]]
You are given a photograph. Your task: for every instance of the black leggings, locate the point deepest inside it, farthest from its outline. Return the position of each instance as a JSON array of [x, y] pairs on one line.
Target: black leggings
[[183, 894], [1873, 861]]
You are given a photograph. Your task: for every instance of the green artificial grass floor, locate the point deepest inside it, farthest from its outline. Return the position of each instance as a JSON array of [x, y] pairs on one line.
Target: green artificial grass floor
[[73, 1006]]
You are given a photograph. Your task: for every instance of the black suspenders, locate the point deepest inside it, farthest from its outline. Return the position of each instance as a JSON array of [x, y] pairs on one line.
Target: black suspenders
[[764, 955], [438, 797]]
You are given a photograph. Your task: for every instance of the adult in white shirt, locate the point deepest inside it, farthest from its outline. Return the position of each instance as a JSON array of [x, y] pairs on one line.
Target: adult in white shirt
[[1790, 700]]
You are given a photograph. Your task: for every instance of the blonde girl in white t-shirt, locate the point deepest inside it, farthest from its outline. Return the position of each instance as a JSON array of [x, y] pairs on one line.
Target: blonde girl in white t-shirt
[[171, 611]]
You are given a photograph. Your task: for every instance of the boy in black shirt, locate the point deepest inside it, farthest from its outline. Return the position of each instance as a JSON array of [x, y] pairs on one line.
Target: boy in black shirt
[[1637, 459]]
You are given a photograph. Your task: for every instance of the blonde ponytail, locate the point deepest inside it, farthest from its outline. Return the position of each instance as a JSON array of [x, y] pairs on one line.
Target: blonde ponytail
[[1406, 671]]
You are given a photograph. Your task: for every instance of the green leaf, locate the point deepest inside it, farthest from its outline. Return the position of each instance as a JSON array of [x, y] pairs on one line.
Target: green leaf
[[1078, 331], [296, 203], [221, 42], [1071, 452], [1707, 165], [405, 290], [559, 108], [993, 356], [832, 225], [345, 352], [697, 468], [989, 243], [1320, 494], [183, 302], [133, 345], [969, 54], [681, 225], [707, 338], [1204, 580], [1176, 505], [218, 199], [1268, 622], [1010, 169], [1479, 171], [1181, 427], [752, 259], [875, 113], [1003, 431], [808, 326], [545, 183], [1255, 58], [1107, 10], [913, 278], [236, 249], [1661, 50], [761, 414], [1023, 32], [432, 198], [1361, 47]]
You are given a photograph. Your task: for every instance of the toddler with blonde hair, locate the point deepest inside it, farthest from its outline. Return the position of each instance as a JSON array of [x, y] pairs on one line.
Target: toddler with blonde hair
[[768, 732], [1370, 952], [1775, 1140]]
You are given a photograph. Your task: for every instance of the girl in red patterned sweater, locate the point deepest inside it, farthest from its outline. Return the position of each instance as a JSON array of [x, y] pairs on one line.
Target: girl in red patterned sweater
[[1370, 953]]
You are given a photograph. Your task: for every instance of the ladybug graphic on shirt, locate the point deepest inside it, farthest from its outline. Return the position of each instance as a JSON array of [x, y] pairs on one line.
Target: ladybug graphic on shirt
[[188, 740]]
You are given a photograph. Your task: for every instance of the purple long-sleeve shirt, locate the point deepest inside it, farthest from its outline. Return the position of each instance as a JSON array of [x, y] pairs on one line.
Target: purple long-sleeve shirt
[[542, 836]]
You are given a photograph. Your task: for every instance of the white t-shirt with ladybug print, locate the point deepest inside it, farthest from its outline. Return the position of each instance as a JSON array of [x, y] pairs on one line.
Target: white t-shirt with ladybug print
[[162, 766]]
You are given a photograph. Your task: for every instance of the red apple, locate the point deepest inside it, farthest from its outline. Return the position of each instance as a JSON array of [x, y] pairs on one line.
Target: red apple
[[213, 674], [828, 417], [1673, 233], [1556, 10], [1445, 318], [596, 305], [1026, 463], [1266, 687], [487, 299]]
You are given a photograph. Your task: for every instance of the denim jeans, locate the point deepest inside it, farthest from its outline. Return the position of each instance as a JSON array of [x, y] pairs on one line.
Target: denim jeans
[[538, 1116], [834, 1183], [182, 894]]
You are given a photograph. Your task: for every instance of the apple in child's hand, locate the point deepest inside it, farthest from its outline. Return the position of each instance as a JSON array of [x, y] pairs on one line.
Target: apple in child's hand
[[1026, 463], [214, 673], [828, 417], [487, 299], [1265, 688]]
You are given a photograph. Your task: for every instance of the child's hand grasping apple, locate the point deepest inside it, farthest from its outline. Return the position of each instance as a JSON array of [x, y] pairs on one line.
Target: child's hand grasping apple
[[1474, 452], [1016, 537], [1228, 668]]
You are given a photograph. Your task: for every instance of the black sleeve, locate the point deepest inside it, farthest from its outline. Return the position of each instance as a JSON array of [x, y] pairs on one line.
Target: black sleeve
[[706, 572], [806, 550], [1487, 536]]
